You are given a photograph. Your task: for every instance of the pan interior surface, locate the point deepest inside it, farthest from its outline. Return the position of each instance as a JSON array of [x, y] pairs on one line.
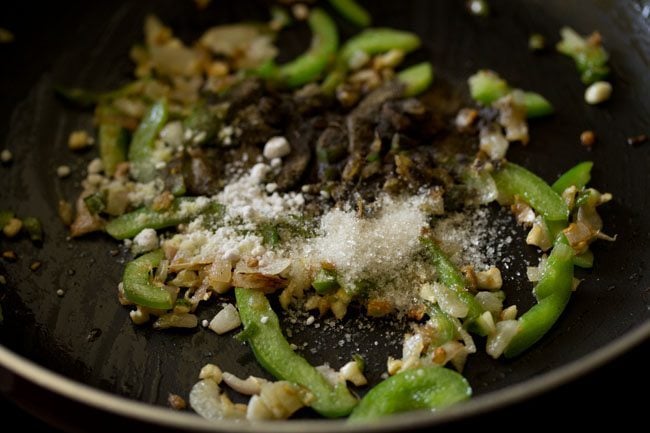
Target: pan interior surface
[[86, 336]]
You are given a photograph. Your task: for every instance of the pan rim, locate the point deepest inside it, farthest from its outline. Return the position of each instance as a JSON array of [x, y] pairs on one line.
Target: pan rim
[[158, 415]]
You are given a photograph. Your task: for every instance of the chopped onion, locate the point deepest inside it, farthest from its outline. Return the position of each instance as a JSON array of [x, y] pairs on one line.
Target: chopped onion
[[512, 116], [412, 350], [448, 301], [206, 400], [277, 400], [251, 386], [493, 143], [273, 267], [498, 342], [490, 301], [175, 59], [173, 320]]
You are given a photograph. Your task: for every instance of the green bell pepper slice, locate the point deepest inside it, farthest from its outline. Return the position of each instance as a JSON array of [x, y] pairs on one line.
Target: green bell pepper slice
[[426, 388], [138, 287], [513, 179], [183, 209], [143, 167], [273, 352]]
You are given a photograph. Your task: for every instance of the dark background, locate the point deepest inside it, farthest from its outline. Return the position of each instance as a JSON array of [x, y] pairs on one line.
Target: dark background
[[615, 394]]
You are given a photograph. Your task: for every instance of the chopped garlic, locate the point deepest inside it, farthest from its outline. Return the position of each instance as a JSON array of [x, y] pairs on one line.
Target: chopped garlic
[[598, 92], [6, 156], [63, 171], [276, 147], [352, 373], [79, 140], [145, 241], [490, 279], [225, 320], [211, 371]]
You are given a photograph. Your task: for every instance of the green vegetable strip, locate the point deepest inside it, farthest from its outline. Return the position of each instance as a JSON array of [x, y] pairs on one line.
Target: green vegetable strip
[[428, 388], [34, 229], [451, 278], [142, 145], [553, 292], [309, 65], [486, 87], [273, 352], [352, 11], [138, 286], [536, 105], [113, 141], [558, 271], [443, 324], [584, 260], [379, 40], [578, 176], [182, 210], [513, 179], [590, 58], [416, 79], [538, 321], [370, 41], [325, 282]]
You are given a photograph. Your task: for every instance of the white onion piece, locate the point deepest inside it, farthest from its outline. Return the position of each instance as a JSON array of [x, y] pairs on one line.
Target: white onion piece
[[493, 143], [273, 267], [175, 59], [411, 351], [277, 400], [229, 39], [499, 341], [490, 301], [251, 386], [206, 400], [449, 301]]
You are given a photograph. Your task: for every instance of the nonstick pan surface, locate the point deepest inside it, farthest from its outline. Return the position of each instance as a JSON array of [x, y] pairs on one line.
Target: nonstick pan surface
[[86, 337]]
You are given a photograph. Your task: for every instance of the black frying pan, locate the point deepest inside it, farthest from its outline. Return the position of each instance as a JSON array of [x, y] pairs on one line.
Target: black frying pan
[[87, 337]]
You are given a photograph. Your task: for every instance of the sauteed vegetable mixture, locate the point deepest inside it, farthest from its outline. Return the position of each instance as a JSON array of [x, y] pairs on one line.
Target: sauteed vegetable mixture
[[341, 182]]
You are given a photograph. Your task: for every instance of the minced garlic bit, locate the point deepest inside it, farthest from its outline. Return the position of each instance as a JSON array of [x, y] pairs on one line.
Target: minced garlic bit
[[598, 92], [276, 147], [211, 371], [300, 11], [63, 171], [95, 166], [225, 320], [145, 241], [12, 228], [6, 156], [79, 140], [490, 279]]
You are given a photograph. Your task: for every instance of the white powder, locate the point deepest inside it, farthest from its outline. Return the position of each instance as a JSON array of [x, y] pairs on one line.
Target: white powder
[[373, 247], [475, 237], [247, 199]]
